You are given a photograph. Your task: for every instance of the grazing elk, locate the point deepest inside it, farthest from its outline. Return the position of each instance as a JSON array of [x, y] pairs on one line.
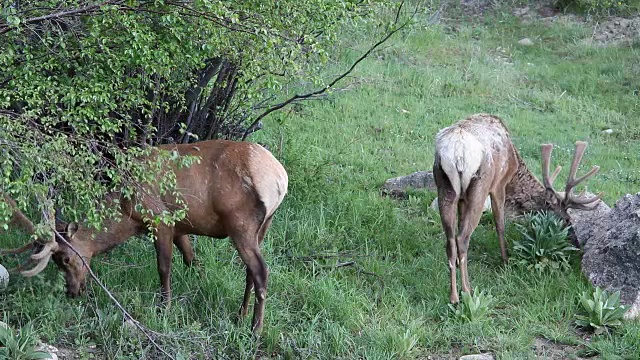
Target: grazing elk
[[475, 158], [233, 191]]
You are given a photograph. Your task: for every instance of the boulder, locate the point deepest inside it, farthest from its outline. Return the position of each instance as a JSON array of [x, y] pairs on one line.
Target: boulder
[[397, 187], [483, 356], [611, 257], [585, 222]]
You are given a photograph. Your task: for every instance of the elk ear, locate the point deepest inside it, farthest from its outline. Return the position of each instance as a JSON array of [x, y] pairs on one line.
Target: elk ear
[[71, 229]]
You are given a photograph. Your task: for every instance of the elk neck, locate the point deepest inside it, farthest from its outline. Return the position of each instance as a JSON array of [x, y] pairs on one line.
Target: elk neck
[[114, 233], [524, 192]]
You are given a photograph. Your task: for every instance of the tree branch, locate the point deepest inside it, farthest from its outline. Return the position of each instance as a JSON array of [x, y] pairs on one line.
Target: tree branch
[[61, 14], [254, 124], [124, 311]]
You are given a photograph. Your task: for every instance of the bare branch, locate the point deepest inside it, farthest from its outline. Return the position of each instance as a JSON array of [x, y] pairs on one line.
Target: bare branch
[[124, 311], [273, 108]]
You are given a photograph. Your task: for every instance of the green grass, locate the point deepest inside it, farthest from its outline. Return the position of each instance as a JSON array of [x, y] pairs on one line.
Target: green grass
[[392, 302]]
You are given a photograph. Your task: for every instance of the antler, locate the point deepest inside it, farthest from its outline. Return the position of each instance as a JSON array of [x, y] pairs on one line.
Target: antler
[[569, 200], [44, 255]]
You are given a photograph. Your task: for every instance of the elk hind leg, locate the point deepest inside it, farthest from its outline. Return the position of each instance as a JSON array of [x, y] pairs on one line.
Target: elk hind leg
[[448, 208], [244, 308], [183, 243], [245, 238], [474, 204]]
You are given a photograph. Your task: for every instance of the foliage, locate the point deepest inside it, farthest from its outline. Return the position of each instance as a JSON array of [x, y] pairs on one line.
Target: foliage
[[600, 311], [338, 150], [20, 345], [472, 308], [86, 86], [543, 244]]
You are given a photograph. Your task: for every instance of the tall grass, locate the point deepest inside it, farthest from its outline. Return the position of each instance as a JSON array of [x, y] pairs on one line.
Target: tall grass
[[391, 301]]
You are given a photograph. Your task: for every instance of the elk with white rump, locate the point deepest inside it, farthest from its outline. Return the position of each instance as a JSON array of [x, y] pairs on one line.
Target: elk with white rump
[[476, 158], [232, 191]]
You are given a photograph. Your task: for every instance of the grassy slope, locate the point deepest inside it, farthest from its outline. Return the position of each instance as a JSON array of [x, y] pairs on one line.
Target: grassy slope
[[392, 302]]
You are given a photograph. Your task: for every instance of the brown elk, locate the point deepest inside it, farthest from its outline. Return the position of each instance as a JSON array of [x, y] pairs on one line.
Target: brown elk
[[232, 191], [476, 158]]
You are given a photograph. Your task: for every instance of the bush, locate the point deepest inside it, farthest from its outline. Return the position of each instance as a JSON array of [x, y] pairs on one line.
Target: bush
[[600, 311], [543, 245], [20, 346], [472, 307]]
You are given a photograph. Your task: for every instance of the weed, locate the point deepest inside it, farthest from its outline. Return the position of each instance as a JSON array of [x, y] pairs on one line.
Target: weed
[[472, 308], [543, 244], [600, 311], [20, 345]]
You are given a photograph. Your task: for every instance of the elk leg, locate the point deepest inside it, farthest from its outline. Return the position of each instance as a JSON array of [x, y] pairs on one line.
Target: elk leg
[[448, 208], [164, 249], [244, 308], [247, 246], [183, 244], [469, 221], [497, 208]]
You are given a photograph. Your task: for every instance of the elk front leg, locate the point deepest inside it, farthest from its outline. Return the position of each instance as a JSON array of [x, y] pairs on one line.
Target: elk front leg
[[497, 208], [164, 248]]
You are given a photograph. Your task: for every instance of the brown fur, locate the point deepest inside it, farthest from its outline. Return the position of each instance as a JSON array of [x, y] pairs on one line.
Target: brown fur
[[233, 191], [480, 148]]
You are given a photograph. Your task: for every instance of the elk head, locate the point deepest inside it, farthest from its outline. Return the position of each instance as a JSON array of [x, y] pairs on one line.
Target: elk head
[[73, 257]]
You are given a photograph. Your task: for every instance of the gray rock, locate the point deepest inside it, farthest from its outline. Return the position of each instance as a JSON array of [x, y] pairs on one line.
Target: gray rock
[[483, 356], [611, 257], [526, 42], [397, 187], [4, 277], [586, 222]]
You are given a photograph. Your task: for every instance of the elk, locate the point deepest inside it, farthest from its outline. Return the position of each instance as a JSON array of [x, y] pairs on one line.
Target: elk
[[476, 158], [233, 191]]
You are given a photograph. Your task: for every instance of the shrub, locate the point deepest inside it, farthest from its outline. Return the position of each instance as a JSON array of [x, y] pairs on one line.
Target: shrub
[[472, 307], [600, 311], [543, 244], [20, 346]]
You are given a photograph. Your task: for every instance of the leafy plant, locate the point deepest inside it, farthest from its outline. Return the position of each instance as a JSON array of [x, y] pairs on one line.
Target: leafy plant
[[600, 311], [543, 245], [20, 346], [472, 307]]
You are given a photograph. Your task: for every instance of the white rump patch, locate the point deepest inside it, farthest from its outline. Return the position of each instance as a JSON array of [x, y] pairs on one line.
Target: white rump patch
[[461, 155]]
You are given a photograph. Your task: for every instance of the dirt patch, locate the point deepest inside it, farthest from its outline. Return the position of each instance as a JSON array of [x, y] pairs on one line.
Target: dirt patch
[[611, 31], [616, 31], [547, 349]]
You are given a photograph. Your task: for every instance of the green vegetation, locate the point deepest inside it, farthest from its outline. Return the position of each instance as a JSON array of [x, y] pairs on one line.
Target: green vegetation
[[600, 311], [391, 302], [544, 244], [472, 307], [19, 346]]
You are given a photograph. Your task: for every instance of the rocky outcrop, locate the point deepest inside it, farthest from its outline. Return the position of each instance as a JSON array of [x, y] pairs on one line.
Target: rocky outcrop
[[611, 257], [397, 187]]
